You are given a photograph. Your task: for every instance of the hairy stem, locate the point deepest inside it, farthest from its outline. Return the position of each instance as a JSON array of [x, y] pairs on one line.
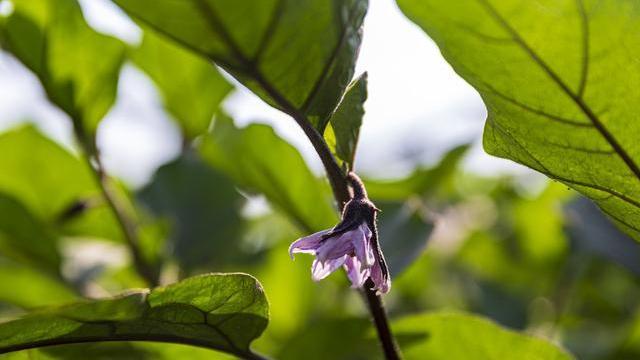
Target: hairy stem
[[379, 314], [374, 301], [340, 187]]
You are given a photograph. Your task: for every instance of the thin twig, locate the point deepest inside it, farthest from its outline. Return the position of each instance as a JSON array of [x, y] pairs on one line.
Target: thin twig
[[129, 228], [127, 224]]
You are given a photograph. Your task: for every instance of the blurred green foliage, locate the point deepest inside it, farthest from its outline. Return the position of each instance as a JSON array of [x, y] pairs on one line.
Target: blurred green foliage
[[470, 255]]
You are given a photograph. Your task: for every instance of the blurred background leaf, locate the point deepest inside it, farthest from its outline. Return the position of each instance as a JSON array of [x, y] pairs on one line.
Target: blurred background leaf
[[77, 66], [203, 210], [456, 336], [259, 160], [192, 89]]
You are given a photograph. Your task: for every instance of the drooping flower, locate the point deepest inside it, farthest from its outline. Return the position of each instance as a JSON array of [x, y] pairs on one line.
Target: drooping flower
[[352, 245]]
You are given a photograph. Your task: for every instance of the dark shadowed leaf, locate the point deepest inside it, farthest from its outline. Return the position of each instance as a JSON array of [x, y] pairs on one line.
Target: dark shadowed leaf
[[404, 232], [591, 231], [77, 66], [344, 126], [256, 158], [296, 55], [219, 311], [461, 336], [320, 342], [191, 87], [556, 82], [203, 210]]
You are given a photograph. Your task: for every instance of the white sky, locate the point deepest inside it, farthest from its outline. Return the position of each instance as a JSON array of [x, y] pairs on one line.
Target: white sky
[[417, 106]]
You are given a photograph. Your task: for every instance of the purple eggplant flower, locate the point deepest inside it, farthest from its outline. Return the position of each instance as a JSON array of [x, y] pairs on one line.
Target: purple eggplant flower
[[352, 245]]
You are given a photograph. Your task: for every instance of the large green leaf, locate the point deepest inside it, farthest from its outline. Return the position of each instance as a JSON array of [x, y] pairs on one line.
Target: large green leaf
[[218, 311], [48, 180], [191, 87], [256, 158], [27, 287], [296, 55], [40, 173], [203, 209], [556, 80], [118, 350], [461, 336], [77, 66], [344, 126]]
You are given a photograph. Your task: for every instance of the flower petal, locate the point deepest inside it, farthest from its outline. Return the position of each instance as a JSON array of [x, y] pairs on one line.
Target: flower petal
[[320, 269], [308, 244], [356, 273], [335, 247], [381, 282], [362, 246]]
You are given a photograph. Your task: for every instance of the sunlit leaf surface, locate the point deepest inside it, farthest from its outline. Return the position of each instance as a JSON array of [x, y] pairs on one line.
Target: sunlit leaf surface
[[344, 126], [459, 336], [556, 80], [218, 311]]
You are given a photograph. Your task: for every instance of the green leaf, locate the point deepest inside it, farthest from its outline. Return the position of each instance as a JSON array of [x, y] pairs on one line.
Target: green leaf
[[555, 80], [344, 126], [47, 179], [25, 238], [422, 182], [256, 158], [40, 173], [77, 66], [192, 89], [27, 287], [296, 55], [456, 336], [118, 350], [225, 312], [203, 208]]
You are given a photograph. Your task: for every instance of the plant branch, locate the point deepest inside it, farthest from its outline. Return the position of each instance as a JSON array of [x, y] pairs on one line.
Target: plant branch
[[126, 223], [128, 226]]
